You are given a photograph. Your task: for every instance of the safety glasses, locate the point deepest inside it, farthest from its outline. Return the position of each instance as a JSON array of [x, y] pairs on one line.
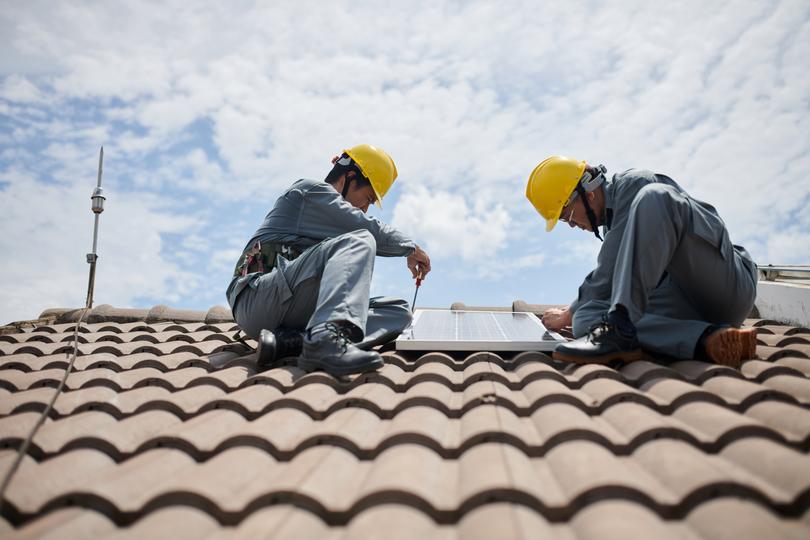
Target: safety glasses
[[570, 214]]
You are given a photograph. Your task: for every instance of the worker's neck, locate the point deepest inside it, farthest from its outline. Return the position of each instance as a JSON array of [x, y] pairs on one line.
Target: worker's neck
[[598, 204]]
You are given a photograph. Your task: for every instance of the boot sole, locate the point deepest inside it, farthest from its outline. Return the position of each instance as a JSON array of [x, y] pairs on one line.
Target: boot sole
[[309, 364], [731, 346], [624, 356]]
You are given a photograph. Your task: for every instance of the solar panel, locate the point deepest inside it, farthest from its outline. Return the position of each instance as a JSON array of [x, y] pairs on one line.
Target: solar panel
[[445, 330]]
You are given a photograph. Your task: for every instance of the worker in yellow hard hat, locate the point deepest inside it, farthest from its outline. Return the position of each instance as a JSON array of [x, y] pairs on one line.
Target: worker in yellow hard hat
[[301, 285], [667, 277]]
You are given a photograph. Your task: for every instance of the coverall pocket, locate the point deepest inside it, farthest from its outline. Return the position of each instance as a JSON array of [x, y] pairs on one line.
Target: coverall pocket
[[273, 286], [269, 300], [706, 224]]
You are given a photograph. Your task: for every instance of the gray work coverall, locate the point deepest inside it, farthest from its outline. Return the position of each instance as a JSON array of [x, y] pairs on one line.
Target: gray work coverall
[[668, 259], [330, 280]]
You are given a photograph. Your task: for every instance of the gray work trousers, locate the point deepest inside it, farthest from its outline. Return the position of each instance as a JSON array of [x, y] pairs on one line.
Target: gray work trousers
[[328, 282], [676, 273]]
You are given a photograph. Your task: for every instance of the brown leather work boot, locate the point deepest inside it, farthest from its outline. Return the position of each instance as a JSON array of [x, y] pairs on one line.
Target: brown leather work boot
[[731, 346]]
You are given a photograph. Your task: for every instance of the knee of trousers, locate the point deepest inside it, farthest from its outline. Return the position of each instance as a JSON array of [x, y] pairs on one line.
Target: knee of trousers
[[396, 309], [360, 238], [405, 315], [587, 315]]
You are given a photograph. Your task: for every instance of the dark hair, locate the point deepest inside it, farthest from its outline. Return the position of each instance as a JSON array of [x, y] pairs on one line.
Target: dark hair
[[339, 170]]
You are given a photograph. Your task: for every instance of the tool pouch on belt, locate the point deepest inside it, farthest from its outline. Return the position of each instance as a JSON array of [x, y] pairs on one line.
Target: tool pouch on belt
[[262, 258]]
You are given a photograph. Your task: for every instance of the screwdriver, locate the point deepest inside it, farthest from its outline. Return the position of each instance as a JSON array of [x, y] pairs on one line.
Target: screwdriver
[[418, 284]]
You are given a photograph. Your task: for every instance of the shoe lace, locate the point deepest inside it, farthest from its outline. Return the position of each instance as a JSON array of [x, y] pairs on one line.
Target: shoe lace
[[598, 330], [339, 334]]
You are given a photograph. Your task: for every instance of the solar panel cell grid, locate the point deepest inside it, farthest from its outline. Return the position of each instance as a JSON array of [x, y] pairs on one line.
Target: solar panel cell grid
[[462, 330]]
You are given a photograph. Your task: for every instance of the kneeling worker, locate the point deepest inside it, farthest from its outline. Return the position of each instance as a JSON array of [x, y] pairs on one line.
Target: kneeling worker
[[301, 285], [667, 277]]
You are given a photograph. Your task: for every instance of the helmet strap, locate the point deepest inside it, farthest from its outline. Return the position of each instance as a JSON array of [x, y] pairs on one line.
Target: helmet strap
[[588, 210], [346, 184], [349, 165]]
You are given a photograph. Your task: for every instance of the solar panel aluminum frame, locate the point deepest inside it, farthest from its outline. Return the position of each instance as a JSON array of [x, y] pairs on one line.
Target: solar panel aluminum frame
[[546, 340]]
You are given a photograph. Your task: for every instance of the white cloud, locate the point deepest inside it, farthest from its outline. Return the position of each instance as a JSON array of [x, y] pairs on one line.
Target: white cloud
[[20, 90], [583, 251], [500, 268], [225, 104], [791, 246], [44, 259], [450, 227]]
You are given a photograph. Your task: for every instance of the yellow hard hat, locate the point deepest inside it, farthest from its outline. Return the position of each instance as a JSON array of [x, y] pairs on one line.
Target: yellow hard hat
[[377, 166], [551, 184]]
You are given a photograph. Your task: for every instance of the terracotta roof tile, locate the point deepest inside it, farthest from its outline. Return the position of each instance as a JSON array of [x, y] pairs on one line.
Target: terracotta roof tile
[[738, 518], [68, 523], [791, 385], [165, 422], [799, 364]]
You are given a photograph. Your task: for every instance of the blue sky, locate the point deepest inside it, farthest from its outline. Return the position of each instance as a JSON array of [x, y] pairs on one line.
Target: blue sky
[[207, 111]]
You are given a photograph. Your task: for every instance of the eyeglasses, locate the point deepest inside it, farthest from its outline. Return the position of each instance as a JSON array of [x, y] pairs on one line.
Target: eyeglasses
[[569, 203], [570, 215]]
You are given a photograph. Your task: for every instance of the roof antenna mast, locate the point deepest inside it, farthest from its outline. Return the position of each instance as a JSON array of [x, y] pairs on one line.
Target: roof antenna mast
[[97, 206]]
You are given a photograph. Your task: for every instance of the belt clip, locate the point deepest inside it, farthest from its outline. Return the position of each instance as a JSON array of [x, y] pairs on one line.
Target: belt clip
[[253, 254]]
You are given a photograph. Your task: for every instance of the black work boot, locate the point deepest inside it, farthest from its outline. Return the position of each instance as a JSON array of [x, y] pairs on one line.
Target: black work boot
[[613, 339], [273, 346], [329, 347]]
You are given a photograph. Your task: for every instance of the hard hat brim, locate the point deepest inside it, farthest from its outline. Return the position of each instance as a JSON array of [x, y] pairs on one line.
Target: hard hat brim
[[368, 171]]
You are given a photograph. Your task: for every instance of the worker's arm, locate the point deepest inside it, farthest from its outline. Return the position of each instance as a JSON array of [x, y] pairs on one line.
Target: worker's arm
[[598, 285], [324, 213]]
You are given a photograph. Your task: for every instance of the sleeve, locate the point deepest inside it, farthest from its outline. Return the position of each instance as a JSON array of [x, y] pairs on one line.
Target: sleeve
[[325, 214], [598, 285]]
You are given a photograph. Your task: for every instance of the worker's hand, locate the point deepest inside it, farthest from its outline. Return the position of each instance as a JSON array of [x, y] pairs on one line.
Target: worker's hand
[[419, 263], [556, 319]]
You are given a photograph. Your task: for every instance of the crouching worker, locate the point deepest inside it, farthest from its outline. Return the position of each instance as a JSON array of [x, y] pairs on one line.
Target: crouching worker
[[667, 278], [301, 285]]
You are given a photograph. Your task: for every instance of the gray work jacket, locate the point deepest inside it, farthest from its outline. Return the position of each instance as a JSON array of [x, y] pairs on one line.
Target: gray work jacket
[[311, 211], [619, 195]]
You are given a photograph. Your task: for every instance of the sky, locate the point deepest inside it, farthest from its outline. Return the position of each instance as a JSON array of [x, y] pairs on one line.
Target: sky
[[207, 111]]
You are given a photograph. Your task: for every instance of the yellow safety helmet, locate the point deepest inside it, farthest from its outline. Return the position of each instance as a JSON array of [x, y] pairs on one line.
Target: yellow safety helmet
[[551, 184], [377, 166]]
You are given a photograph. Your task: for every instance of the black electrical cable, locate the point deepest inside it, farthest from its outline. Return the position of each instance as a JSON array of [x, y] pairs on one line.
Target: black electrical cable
[[23, 449]]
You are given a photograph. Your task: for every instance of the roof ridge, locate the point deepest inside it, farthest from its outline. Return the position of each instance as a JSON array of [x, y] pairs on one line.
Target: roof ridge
[[109, 313]]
